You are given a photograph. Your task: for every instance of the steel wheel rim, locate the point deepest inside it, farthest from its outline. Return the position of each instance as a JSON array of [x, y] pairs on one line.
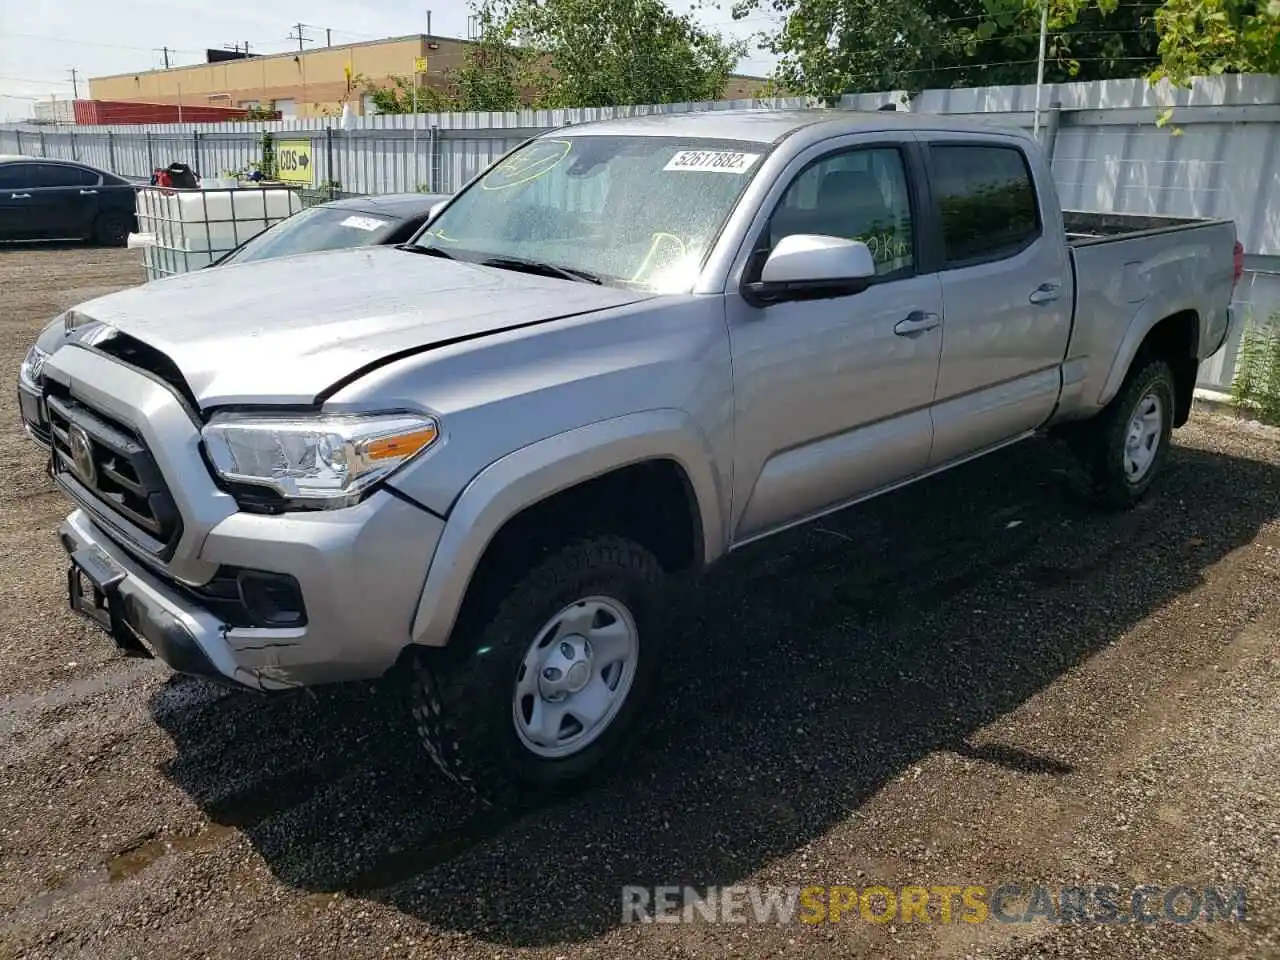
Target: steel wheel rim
[[1143, 437], [575, 677]]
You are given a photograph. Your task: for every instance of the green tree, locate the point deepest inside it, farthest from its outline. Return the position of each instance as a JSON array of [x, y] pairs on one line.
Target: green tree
[[1200, 37], [490, 77], [594, 53], [830, 47], [396, 96]]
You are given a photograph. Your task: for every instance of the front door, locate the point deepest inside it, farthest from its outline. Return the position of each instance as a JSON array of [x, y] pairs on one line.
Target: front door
[[17, 220], [832, 396]]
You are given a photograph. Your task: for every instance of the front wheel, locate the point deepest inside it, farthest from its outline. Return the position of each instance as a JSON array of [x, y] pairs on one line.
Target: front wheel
[[1125, 446], [550, 691]]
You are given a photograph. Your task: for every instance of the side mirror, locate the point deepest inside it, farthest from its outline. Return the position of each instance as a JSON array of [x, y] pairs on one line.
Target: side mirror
[[808, 266], [435, 210]]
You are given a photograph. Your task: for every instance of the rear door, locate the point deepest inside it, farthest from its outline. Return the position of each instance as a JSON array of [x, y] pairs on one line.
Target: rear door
[[64, 200], [1005, 289]]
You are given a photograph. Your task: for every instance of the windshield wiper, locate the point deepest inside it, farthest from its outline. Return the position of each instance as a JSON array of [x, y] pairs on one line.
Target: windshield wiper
[[425, 251], [542, 268]]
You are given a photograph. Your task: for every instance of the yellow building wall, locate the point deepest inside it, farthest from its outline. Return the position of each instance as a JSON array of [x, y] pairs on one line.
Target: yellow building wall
[[314, 79]]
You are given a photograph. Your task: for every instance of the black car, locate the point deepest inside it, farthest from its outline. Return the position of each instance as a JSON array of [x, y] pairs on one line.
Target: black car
[[355, 222], [44, 199]]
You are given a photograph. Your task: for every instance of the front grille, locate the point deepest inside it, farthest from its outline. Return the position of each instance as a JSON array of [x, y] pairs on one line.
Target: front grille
[[107, 468]]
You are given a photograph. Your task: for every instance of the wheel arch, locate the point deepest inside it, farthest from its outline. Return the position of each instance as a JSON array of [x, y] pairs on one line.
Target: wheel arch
[[659, 445], [1172, 335]]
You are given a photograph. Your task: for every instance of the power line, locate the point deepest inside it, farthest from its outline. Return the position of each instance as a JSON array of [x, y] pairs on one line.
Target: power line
[[1003, 63], [34, 80], [92, 43]]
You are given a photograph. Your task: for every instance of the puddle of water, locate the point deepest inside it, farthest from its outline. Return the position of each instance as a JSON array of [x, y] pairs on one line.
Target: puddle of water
[[141, 855], [43, 902]]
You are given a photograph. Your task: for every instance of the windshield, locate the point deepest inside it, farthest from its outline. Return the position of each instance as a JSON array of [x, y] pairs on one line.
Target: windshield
[[636, 211], [312, 230]]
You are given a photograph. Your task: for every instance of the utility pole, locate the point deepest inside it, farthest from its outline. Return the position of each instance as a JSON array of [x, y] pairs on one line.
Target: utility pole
[[1044, 23], [75, 87], [301, 37], [166, 57], [328, 37], [428, 23]]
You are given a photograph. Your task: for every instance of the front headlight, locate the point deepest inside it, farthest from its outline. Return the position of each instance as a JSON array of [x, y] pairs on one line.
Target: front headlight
[[316, 461], [32, 365]]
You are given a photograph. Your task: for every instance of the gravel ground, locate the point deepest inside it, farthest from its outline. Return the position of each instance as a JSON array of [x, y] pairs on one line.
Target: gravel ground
[[979, 680]]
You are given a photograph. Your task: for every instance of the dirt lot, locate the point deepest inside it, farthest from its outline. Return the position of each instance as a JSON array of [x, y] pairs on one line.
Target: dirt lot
[[977, 681]]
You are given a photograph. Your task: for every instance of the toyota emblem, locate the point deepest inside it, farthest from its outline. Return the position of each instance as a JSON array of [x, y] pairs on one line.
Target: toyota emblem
[[82, 455]]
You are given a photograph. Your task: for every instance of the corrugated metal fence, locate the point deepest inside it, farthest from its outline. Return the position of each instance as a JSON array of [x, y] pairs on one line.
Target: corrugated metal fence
[[1219, 156]]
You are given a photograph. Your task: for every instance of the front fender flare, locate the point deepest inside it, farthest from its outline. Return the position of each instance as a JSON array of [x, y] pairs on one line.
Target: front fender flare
[[533, 473]]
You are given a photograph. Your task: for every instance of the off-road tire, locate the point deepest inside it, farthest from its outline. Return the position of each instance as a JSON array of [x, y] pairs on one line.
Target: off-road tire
[[461, 696], [1100, 443]]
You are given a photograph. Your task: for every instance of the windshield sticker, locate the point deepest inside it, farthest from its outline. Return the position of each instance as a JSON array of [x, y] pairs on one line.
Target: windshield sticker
[[529, 164], [712, 161], [363, 223]]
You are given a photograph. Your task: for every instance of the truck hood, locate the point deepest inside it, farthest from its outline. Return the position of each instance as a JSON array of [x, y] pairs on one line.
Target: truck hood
[[282, 331]]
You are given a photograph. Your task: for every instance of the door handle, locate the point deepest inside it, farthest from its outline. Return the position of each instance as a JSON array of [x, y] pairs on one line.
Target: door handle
[[19, 196], [1046, 293], [88, 193], [916, 322]]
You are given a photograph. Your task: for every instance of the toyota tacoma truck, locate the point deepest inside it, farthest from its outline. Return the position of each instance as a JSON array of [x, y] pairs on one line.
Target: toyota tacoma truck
[[622, 351]]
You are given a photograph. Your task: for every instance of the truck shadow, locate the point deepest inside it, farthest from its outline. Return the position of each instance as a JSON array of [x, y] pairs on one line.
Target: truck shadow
[[804, 674]]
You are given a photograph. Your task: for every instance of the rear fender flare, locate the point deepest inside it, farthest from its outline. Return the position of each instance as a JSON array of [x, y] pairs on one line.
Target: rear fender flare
[[1143, 322]]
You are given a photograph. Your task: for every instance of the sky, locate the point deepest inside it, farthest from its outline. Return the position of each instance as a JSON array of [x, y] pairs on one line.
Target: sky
[[40, 44]]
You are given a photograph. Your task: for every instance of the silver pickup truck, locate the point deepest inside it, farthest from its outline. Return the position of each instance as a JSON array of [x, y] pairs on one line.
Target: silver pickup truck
[[620, 352]]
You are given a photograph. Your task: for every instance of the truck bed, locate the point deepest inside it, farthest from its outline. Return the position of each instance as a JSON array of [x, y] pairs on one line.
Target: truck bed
[[1132, 270], [1088, 227]]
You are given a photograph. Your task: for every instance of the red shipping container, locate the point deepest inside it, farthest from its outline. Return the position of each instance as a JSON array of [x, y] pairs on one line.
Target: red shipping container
[[103, 112]]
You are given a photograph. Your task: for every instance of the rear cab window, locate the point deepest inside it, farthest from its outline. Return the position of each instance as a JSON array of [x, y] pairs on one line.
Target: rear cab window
[[986, 201]]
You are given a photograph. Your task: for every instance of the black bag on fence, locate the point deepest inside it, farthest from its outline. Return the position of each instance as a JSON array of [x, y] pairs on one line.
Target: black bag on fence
[[182, 175]]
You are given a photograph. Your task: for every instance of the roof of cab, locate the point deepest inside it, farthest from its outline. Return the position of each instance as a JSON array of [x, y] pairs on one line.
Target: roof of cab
[[770, 126]]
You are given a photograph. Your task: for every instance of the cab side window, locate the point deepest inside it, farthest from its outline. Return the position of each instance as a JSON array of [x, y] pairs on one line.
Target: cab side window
[[986, 201], [858, 194]]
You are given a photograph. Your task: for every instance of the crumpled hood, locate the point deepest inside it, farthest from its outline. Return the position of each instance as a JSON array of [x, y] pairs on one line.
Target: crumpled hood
[[282, 331]]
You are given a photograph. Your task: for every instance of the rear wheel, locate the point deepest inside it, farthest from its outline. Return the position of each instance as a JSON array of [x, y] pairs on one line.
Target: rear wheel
[[1124, 447], [550, 691], [111, 229]]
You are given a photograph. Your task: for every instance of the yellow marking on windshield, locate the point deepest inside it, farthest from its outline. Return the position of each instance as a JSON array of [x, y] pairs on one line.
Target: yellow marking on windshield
[[529, 164], [654, 244]]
